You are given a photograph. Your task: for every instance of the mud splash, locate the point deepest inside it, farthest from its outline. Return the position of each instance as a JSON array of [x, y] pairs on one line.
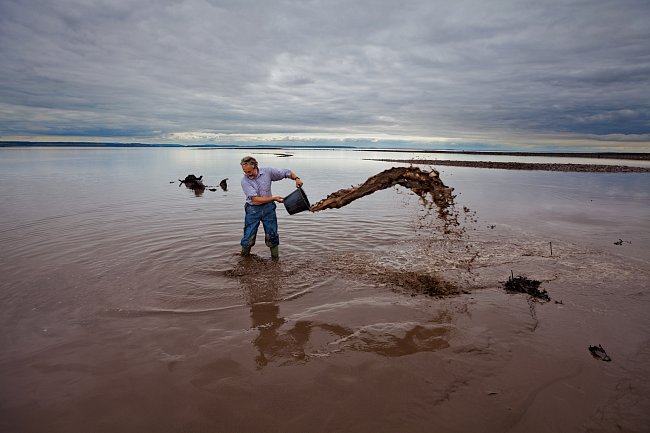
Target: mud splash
[[408, 276], [261, 277], [440, 226], [426, 184]]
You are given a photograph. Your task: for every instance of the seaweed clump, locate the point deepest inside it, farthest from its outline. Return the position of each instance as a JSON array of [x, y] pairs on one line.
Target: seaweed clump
[[525, 285]]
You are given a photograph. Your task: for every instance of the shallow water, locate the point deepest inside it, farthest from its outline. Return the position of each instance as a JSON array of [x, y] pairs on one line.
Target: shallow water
[[126, 308]]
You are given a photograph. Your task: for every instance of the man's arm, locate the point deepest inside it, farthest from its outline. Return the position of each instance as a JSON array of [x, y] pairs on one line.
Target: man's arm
[[261, 200], [294, 176], [284, 173]]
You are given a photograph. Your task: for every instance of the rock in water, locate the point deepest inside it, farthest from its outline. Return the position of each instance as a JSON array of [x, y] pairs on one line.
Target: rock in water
[[599, 353]]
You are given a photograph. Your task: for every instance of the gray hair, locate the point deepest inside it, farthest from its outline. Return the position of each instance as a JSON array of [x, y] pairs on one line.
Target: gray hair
[[249, 160]]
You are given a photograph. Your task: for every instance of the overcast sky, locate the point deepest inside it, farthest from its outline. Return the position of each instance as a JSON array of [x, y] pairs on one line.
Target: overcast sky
[[554, 73]]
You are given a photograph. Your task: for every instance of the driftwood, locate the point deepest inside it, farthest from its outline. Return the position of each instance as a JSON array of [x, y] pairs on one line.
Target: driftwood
[[423, 183], [196, 184], [192, 182]]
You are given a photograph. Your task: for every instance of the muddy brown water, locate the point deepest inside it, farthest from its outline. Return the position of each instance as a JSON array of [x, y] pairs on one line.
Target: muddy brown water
[[125, 307]]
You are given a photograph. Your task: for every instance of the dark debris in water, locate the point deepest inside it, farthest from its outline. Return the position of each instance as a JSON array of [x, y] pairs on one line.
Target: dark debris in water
[[196, 183], [192, 182], [525, 285], [599, 353]]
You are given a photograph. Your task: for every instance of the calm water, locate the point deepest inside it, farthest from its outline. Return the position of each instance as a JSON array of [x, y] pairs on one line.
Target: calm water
[[126, 308]]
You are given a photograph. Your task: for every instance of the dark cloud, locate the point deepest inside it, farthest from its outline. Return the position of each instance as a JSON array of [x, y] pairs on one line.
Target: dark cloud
[[422, 69]]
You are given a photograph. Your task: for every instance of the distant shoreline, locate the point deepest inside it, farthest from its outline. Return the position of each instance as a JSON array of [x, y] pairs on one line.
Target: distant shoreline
[[637, 156], [541, 166]]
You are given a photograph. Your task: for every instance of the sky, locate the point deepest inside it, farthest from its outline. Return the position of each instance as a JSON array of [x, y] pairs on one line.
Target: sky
[[525, 74]]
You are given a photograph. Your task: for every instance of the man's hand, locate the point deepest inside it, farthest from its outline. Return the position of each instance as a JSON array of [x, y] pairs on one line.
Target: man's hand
[[298, 182], [278, 199]]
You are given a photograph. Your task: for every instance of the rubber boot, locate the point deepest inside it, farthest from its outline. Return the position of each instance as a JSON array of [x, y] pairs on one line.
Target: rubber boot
[[275, 253], [245, 251]]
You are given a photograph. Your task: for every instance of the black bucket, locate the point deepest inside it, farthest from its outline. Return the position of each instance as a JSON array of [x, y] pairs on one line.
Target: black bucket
[[296, 201]]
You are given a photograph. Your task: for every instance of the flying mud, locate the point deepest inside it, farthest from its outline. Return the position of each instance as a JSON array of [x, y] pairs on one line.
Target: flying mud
[[423, 183]]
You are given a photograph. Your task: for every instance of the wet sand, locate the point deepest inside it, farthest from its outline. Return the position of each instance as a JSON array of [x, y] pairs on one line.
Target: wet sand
[[332, 343], [127, 308]]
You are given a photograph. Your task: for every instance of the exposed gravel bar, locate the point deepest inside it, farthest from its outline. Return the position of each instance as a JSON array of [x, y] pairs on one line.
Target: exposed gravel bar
[[639, 156], [594, 168]]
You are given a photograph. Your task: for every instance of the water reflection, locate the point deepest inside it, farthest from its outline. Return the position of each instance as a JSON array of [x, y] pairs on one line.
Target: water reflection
[[266, 319], [265, 283], [198, 191], [290, 345], [261, 281], [401, 339]]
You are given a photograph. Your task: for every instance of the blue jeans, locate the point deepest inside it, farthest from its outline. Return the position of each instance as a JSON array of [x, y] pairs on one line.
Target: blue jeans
[[264, 213]]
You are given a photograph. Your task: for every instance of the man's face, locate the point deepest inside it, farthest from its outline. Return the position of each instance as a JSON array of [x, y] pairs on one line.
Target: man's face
[[249, 170]]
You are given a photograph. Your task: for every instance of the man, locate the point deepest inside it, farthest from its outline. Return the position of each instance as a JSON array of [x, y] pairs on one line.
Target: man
[[260, 204]]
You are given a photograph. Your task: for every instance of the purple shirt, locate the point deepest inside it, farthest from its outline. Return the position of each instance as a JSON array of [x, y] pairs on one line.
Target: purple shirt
[[261, 185]]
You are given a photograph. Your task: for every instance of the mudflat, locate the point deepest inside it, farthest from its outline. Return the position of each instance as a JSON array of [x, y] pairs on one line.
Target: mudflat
[[126, 307]]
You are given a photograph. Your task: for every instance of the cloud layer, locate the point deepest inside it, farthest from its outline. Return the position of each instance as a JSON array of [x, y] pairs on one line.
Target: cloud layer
[[211, 70]]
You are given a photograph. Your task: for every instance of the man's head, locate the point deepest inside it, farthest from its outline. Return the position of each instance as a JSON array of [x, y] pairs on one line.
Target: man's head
[[249, 165]]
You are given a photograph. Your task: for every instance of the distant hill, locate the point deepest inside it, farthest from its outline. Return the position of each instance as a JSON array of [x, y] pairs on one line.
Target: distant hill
[[202, 146], [78, 144]]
